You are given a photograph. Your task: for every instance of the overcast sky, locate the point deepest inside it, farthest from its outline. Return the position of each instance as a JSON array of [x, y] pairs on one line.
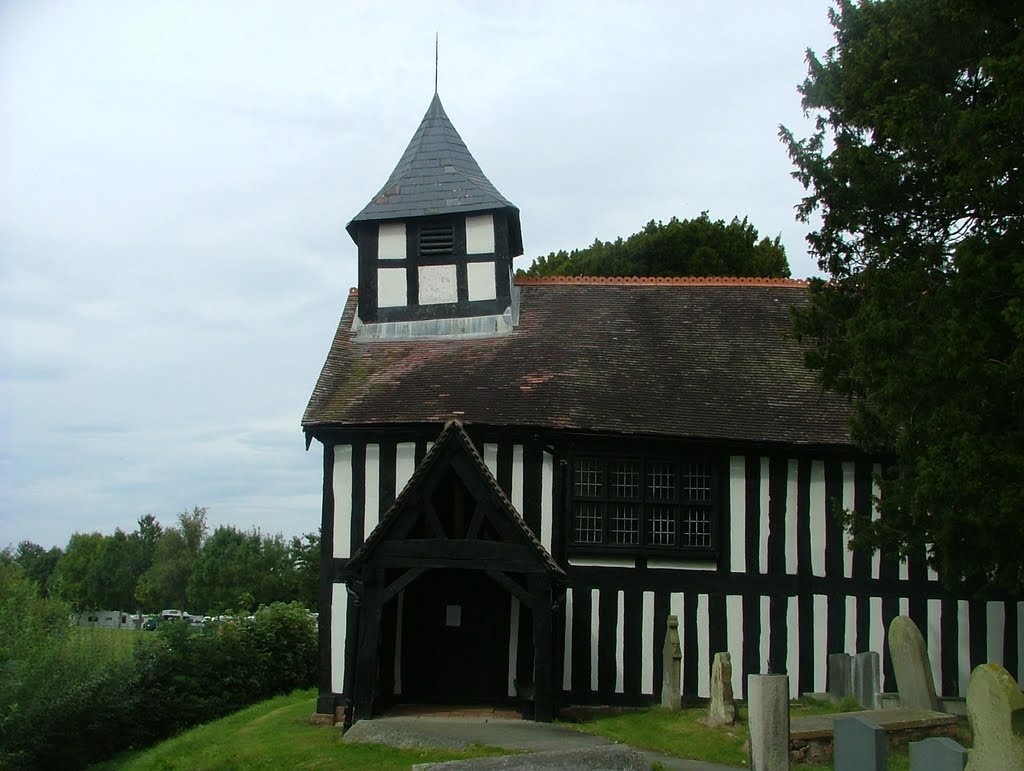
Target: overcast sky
[[175, 180]]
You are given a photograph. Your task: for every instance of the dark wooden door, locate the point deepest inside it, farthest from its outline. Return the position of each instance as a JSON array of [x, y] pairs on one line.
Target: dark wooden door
[[455, 638]]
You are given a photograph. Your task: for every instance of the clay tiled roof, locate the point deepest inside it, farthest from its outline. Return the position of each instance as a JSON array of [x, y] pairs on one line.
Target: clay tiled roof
[[693, 358]]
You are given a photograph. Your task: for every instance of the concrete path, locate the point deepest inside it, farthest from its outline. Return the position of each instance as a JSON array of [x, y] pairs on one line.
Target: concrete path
[[550, 745]]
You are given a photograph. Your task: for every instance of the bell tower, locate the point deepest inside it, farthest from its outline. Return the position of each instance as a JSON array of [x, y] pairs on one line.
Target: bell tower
[[436, 244]]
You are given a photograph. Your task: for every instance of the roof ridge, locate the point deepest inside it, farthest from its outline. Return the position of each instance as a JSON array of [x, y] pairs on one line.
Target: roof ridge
[[660, 281]]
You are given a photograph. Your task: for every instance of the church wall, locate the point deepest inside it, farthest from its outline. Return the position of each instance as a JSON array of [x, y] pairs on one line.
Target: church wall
[[782, 593]]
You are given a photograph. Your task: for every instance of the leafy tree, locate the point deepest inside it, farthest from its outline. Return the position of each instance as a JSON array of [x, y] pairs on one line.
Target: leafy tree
[[78, 579], [915, 169], [697, 247], [37, 563], [304, 557], [175, 550]]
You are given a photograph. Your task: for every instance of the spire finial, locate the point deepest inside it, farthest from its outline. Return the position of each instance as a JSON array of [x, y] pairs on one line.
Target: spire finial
[[435, 63]]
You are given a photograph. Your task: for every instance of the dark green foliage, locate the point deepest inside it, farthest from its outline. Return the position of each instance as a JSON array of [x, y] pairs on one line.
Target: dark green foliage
[[71, 696], [915, 171], [697, 247]]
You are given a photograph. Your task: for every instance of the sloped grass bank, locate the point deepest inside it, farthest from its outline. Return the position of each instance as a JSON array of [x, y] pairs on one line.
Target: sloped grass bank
[[276, 734]]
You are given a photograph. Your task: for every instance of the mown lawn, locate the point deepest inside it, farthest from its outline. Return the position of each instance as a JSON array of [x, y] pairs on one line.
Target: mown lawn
[[685, 735], [276, 734]]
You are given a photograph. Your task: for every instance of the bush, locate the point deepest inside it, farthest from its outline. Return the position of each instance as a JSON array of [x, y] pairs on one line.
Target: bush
[[69, 697]]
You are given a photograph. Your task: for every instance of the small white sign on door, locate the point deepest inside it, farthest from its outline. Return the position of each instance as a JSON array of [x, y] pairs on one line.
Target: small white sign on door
[[453, 615]]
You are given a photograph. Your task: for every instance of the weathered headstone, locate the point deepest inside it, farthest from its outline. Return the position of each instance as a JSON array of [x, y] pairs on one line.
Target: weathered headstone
[[859, 745], [768, 722], [867, 682], [672, 657], [840, 676], [722, 710], [995, 707], [911, 665], [938, 753]]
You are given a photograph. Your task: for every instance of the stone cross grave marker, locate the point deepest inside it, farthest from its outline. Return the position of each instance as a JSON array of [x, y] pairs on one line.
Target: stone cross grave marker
[[722, 710], [672, 657], [911, 665], [995, 707]]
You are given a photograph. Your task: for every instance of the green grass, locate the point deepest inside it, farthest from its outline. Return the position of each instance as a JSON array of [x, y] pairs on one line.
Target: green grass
[[277, 734]]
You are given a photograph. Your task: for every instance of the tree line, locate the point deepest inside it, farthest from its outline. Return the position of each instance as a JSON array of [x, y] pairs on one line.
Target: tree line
[[183, 566]]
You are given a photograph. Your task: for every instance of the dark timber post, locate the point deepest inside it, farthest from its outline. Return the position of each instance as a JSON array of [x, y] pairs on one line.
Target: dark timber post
[[543, 704], [369, 634]]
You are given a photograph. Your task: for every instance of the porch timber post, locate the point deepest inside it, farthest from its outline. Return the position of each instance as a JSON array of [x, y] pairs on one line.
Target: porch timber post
[[543, 650], [366, 656]]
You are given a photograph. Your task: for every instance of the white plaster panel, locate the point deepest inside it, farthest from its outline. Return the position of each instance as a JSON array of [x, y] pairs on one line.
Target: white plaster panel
[[405, 464], [567, 648], [655, 563], [876, 555], [737, 514], [480, 281], [818, 512], [438, 284], [339, 622], [491, 459], [995, 632], [603, 562], [934, 634], [513, 645], [793, 647], [391, 288], [594, 624], [620, 627], [963, 627], [766, 630], [703, 646], [647, 645], [876, 626], [792, 473], [480, 234], [391, 241], [734, 632], [517, 478], [341, 484], [820, 605], [851, 626], [546, 499], [371, 509], [847, 503], [762, 517]]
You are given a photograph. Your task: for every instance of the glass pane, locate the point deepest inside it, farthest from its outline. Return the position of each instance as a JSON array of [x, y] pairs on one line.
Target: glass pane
[[588, 478], [661, 481], [624, 478], [661, 524], [697, 481], [695, 523], [625, 523], [587, 522]]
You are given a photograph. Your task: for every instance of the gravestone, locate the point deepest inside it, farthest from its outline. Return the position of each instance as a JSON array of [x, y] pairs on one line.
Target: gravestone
[[938, 753], [840, 676], [859, 745], [722, 710], [768, 722], [911, 666], [995, 707], [672, 657], [867, 682]]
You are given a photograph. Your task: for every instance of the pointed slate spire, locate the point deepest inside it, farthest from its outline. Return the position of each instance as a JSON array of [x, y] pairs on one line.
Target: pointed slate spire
[[437, 175]]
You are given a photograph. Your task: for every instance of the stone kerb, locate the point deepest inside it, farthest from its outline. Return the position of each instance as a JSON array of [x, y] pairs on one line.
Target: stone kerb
[[911, 665], [995, 707]]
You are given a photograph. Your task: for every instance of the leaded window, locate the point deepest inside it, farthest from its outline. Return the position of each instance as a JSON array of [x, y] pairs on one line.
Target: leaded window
[[643, 502]]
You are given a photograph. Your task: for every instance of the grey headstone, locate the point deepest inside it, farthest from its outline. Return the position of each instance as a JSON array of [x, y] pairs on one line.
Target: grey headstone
[[672, 657], [722, 710], [768, 722], [939, 753], [995, 706], [840, 676], [859, 745], [867, 681], [911, 665]]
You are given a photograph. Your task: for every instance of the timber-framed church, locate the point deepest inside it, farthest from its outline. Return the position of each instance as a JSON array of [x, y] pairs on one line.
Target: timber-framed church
[[522, 478]]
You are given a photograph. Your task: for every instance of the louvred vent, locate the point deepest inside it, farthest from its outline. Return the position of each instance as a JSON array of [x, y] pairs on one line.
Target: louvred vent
[[436, 239]]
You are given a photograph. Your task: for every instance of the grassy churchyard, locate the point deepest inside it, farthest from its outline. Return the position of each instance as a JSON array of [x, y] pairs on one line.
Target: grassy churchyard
[[277, 734]]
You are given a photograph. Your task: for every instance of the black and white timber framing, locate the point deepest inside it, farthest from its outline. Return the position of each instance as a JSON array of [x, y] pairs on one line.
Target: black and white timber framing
[[609, 451], [782, 592]]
